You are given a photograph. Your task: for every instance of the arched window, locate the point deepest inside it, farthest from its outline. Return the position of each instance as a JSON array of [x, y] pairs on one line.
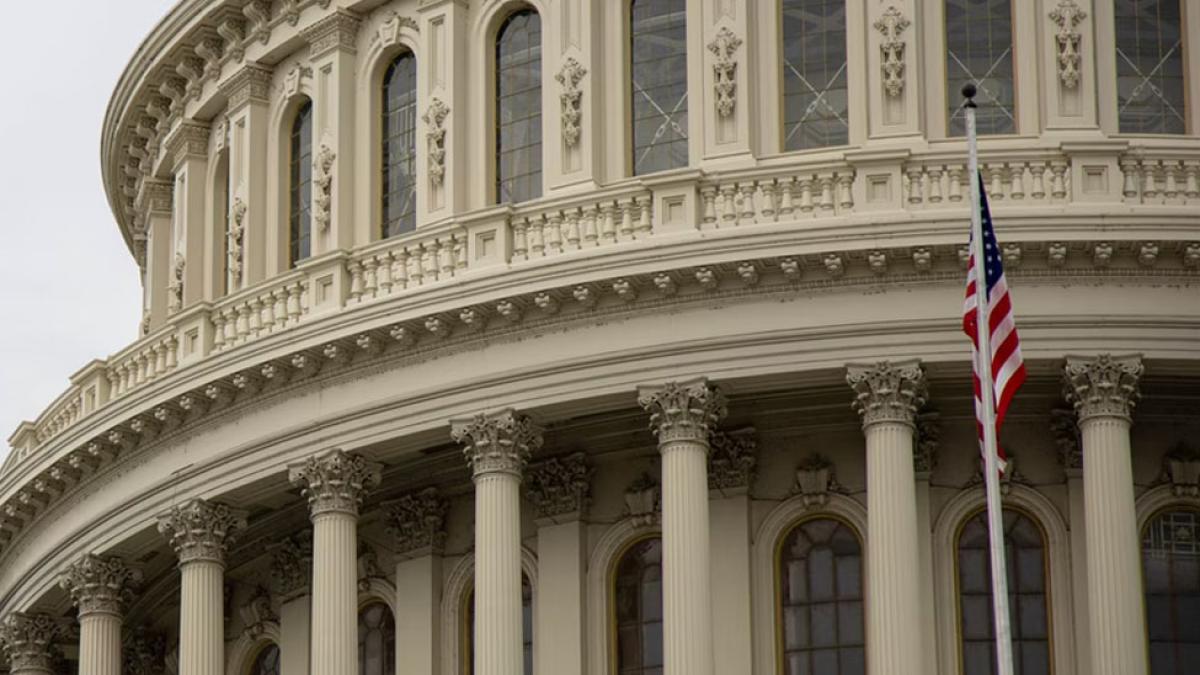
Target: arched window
[[821, 599], [815, 112], [658, 69], [400, 146], [267, 660], [519, 108], [1150, 98], [222, 209], [979, 49], [376, 640], [300, 185], [638, 600], [1025, 558], [1171, 572], [526, 628]]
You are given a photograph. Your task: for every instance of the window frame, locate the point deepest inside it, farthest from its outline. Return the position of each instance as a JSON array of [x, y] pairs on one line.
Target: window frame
[[610, 593], [1015, 44], [627, 47], [304, 105], [1143, 528], [1186, 56], [492, 155], [390, 59], [781, 99]]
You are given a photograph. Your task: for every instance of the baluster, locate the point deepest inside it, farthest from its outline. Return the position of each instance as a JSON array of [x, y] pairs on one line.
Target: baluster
[[370, 282], [243, 322], [1129, 169], [160, 360], [520, 239], [1039, 180], [554, 238], [935, 184], [400, 269], [785, 197], [537, 242], [445, 259], [627, 207], [129, 372], [1017, 182], [416, 271], [1192, 172], [429, 263], [252, 322], [591, 233], [267, 300], [916, 185], [608, 232], [644, 226], [806, 194], [383, 273], [729, 204], [293, 302], [845, 193], [768, 200], [573, 236], [995, 177], [114, 383], [826, 193], [747, 211], [218, 325], [356, 281], [1150, 178], [280, 296], [172, 353], [955, 191], [1171, 187], [459, 251], [1058, 186], [708, 194]]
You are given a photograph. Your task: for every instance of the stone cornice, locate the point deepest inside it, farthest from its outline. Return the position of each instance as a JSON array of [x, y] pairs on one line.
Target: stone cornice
[[199, 530], [500, 442], [99, 585], [336, 481]]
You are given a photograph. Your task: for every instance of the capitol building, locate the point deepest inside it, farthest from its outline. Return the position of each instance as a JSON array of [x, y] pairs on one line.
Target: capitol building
[[623, 337]]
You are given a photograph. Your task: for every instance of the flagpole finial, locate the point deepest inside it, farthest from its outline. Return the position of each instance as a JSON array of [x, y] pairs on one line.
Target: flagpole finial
[[968, 92]]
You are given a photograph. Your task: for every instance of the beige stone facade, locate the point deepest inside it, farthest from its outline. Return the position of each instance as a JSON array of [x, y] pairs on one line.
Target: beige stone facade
[[490, 413]]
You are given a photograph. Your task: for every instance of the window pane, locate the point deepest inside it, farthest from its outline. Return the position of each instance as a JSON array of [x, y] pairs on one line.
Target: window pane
[[658, 48], [979, 49], [1171, 570], [400, 146], [519, 108], [638, 598], [301, 185], [376, 641], [814, 74], [1149, 46], [267, 661]]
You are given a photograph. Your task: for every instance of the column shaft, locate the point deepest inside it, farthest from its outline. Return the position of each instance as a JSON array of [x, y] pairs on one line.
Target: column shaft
[[335, 594], [100, 644], [687, 613], [498, 625], [202, 618]]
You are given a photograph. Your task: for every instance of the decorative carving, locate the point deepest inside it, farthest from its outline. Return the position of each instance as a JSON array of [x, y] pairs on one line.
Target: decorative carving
[[210, 49], [1066, 437], [291, 564], [192, 70], [200, 530], [295, 76], [732, 461], [290, 11], [892, 24], [27, 640], [723, 46], [887, 392], [389, 31], [1066, 16], [1182, 467], [256, 614], [928, 433], [368, 565], [335, 481], [500, 442], [250, 83], [233, 31], [418, 523], [643, 501], [560, 487], [1104, 386], [98, 585], [323, 180], [259, 13], [335, 31], [571, 99], [235, 237], [435, 140], [815, 479], [683, 411], [175, 286], [143, 652]]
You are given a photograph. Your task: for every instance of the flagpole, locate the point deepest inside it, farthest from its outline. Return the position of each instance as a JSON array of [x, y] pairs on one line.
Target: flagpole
[[1000, 616]]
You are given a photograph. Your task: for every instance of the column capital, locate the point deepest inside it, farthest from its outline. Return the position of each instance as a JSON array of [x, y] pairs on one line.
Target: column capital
[[252, 82], [1102, 386], [686, 411], [99, 585], [199, 530], [27, 640], [336, 481], [418, 523], [886, 391], [336, 31], [497, 443], [559, 487]]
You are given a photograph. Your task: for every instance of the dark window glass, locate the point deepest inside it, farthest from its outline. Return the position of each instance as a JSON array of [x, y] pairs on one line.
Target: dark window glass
[[658, 45], [814, 74], [979, 49], [1150, 97], [526, 628], [1025, 558], [400, 146], [267, 661], [224, 178], [1171, 572], [821, 600], [519, 108], [301, 185], [376, 640], [639, 603]]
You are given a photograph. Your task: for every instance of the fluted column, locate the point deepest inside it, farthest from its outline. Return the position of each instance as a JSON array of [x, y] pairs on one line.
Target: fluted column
[[887, 396], [98, 587], [682, 414], [335, 483], [27, 640], [1103, 391], [199, 531], [497, 447]]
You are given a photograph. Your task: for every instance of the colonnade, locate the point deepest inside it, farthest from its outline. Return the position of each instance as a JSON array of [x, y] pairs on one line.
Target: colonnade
[[497, 446]]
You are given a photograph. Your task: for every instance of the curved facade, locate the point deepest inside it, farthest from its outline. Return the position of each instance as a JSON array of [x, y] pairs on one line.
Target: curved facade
[[596, 338]]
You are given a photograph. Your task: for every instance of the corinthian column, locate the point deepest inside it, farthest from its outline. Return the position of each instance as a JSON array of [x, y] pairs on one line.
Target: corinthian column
[[1103, 391], [681, 415], [27, 642], [199, 531], [98, 586], [497, 448], [335, 483], [887, 396]]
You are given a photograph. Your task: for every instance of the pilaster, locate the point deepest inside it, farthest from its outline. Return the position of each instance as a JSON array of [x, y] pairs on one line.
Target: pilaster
[[722, 84], [248, 92], [572, 65], [442, 105], [897, 34], [188, 148], [291, 576], [731, 470], [156, 201], [417, 521], [27, 640], [1068, 46]]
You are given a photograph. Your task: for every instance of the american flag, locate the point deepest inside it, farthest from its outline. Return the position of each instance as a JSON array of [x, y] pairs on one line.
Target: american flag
[[1008, 369]]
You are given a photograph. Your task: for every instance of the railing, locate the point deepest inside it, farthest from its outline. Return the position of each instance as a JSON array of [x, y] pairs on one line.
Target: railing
[[611, 217]]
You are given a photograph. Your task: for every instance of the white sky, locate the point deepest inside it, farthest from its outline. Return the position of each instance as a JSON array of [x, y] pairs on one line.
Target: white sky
[[69, 290]]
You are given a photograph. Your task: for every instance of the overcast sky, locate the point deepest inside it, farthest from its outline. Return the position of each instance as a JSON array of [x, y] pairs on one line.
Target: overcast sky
[[69, 289]]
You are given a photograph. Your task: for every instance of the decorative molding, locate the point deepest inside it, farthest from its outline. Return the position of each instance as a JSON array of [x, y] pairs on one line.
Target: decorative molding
[[257, 614], [1066, 16], [143, 652], [1103, 386], [815, 480], [886, 391], [892, 24], [336, 31], [643, 501], [188, 140], [291, 565], [499, 442], [1181, 468], [388, 33], [335, 481], [292, 82], [200, 530], [250, 83], [233, 31], [732, 461], [683, 411], [368, 565], [1066, 438], [175, 285], [323, 181], [28, 639], [259, 14], [417, 522], [928, 432], [723, 46], [569, 76], [559, 488], [99, 585], [435, 139], [234, 244]]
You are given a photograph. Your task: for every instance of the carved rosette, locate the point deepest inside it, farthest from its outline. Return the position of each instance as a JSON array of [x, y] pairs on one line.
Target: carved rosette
[[887, 392], [683, 411], [291, 565], [723, 46], [732, 461], [498, 443], [571, 100], [27, 640], [200, 530], [418, 523], [1104, 386], [560, 488], [435, 140], [892, 24], [1066, 16], [335, 482], [98, 585]]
